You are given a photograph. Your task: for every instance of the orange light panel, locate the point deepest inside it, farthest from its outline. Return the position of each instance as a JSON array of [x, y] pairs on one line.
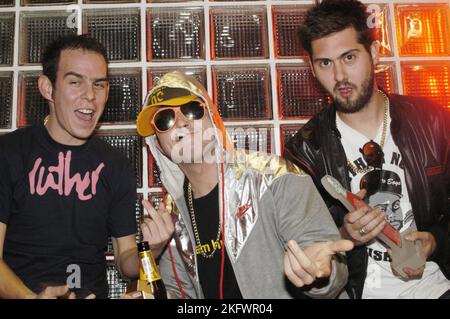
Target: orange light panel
[[386, 77], [379, 19], [423, 30], [430, 79]]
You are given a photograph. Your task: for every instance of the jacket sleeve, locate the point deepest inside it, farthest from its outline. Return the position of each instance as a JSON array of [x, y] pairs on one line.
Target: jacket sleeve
[[304, 217], [440, 229], [299, 152], [446, 129]]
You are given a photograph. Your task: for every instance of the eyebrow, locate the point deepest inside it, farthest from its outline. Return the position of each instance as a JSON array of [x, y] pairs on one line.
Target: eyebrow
[[80, 76], [341, 56]]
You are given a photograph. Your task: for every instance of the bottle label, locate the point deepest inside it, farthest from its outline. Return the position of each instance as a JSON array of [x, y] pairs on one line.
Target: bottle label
[[148, 270]]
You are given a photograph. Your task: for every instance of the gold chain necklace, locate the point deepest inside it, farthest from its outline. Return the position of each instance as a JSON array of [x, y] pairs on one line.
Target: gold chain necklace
[[194, 226], [350, 165]]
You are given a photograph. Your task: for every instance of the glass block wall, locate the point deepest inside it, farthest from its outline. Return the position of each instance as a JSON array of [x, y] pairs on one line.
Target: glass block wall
[[246, 54]]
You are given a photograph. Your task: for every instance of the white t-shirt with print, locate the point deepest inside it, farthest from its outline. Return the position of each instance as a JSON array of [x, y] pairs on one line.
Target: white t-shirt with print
[[392, 197]]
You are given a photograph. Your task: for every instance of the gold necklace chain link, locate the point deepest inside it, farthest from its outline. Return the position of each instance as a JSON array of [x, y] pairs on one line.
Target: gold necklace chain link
[[194, 226], [350, 165]]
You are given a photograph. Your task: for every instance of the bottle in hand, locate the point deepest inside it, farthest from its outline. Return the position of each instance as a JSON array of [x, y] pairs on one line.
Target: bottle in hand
[[150, 282]]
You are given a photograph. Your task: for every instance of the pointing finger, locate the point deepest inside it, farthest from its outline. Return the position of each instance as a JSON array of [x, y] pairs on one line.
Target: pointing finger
[[301, 258], [338, 246]]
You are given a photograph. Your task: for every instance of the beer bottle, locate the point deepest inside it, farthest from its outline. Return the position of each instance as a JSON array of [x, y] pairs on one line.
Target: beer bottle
[[150, 281]]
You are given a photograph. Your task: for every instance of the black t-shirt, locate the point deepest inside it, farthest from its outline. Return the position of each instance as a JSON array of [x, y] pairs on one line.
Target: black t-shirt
[[206, 210], [60, 203]]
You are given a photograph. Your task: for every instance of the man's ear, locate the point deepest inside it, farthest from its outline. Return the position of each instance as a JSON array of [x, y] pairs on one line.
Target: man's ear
[[45, 87], [375, 52]]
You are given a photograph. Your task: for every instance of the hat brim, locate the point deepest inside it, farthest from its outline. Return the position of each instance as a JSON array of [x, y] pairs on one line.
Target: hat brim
[[143, 123]]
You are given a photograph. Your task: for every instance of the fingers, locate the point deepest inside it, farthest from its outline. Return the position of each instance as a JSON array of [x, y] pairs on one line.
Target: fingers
[[303, 262], [72, 296], [296, 277], [294, 271], [91, 296], [374, 227], [150, 231], [364, 224], [339, 246], [362, 193], [354, 216], [371, 219], [161, 217], [415, 235], [414, 273], [53, 292], [160, 225]]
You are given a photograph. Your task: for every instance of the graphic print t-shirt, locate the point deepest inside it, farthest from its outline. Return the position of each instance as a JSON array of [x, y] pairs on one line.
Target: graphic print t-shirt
[[392, 197], [60, 203], [206, 210]]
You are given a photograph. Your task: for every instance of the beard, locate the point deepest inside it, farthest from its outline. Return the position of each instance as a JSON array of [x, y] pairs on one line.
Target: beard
[[348, 106]]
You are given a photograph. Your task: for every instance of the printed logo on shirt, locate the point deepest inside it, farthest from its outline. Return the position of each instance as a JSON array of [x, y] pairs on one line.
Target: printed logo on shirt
[[388, 197], [395, 160], [58, 178], [208, 248]]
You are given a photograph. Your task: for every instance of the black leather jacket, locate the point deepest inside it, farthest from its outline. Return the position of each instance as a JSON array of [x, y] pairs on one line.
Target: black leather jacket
[[421, 130]]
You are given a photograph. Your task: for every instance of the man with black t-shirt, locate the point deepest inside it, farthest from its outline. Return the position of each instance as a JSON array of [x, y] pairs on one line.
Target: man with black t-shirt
[[239, 228], [62, 191]]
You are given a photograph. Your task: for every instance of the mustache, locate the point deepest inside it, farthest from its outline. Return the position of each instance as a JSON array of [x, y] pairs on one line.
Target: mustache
[[343, 84]]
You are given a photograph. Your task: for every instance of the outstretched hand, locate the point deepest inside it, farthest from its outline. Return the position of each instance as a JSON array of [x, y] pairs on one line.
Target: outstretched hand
[[303, 267]]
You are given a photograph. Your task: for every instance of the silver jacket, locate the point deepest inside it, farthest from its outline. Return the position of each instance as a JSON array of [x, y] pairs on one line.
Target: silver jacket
[[281, 203]]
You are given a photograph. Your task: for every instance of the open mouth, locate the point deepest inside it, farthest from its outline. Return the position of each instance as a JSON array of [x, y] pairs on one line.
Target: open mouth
[[85, 114]]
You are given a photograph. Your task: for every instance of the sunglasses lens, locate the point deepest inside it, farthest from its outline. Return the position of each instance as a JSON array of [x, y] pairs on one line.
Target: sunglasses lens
[[373, 154], [164, 120], [193, 110]]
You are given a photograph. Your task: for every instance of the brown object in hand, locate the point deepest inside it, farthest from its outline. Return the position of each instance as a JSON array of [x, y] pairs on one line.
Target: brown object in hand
[[405, 253]]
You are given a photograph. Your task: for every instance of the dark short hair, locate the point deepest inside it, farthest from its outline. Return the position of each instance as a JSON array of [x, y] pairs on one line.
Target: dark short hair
[[331, 16], [52, 53]]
